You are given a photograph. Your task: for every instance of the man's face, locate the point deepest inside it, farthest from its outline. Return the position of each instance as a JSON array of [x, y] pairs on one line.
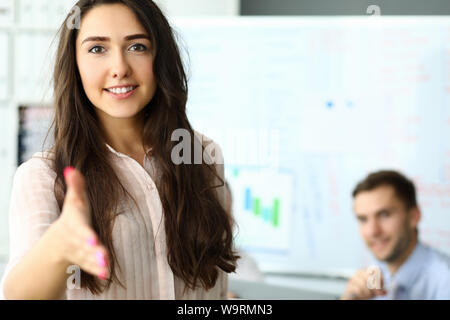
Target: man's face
[[385, 224]]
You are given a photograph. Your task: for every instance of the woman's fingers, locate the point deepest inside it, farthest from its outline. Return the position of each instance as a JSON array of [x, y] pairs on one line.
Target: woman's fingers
[[93, 255], [96, 262], [89, 255], [96, 253]]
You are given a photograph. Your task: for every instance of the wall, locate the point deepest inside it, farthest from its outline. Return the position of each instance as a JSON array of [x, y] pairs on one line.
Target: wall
[[344, 7], [182, 8]]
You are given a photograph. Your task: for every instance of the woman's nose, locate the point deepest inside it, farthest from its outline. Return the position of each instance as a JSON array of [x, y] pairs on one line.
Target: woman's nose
[[120, 68]]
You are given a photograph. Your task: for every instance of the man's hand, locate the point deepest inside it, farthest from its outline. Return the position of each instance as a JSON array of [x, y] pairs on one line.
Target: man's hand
[[358, 288]]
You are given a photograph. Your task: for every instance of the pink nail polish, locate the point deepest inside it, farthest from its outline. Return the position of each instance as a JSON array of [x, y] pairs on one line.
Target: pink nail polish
[[102, 275], [100, 259], [67, 170], [92, 241]]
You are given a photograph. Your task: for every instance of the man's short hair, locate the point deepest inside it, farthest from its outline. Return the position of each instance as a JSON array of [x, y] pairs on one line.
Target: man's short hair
[[404, 188]]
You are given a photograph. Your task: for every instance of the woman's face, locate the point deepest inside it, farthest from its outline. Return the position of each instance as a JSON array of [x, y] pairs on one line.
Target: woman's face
[[115, 61]]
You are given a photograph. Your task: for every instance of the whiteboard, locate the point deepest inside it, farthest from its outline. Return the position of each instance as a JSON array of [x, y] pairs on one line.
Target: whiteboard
[[304, 108]]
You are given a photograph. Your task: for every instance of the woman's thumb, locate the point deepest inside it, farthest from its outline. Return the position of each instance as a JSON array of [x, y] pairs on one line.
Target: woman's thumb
[[75, 184]]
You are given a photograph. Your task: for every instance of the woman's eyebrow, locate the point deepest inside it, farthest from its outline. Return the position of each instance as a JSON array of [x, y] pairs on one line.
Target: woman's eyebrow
[[106, 39], [137, 36]]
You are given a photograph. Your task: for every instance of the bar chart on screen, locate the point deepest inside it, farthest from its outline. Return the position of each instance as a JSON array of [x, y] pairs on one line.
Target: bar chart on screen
[[262, 205]]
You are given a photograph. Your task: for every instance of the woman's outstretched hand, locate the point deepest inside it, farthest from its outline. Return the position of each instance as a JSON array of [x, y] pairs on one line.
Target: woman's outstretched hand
[[78, 242]]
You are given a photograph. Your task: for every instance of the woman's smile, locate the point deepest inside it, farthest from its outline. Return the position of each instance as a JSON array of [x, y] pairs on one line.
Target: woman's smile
[[121, 92]]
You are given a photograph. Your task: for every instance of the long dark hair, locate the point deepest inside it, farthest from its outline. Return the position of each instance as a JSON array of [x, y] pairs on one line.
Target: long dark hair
[[199, 236]]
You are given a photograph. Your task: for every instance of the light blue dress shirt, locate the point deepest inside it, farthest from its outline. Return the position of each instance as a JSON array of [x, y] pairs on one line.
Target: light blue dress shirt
[[425, 275]]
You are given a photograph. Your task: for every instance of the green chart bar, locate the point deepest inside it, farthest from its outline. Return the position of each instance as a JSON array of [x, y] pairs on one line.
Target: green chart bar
[[276, 210], [257, 206]]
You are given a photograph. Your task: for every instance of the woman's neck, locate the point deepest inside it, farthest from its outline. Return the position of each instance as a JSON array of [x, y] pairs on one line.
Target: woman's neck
[[123, 135]]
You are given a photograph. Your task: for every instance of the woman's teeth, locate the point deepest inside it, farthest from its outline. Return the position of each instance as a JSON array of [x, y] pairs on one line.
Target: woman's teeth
[[121, 90]]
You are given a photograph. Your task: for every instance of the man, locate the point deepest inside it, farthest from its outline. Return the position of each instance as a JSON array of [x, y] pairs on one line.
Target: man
[[388, 215]]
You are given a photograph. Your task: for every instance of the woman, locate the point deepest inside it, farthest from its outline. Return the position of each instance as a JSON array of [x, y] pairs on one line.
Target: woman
[[137, 225]]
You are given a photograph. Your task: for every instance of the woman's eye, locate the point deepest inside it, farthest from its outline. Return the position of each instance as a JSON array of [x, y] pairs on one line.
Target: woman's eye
[[138, 47], [97, 49]]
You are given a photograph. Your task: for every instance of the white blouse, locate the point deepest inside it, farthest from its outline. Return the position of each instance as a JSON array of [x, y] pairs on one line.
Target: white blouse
[[139, 237]]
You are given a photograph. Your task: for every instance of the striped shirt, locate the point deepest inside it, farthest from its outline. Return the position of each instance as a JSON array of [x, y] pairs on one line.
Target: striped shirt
[[139, 237]]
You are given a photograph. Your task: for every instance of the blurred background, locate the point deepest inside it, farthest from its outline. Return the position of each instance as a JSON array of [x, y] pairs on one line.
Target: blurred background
[[304, 97]]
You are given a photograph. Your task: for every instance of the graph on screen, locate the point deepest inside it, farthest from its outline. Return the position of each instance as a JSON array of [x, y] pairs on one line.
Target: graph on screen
[[260, 210]]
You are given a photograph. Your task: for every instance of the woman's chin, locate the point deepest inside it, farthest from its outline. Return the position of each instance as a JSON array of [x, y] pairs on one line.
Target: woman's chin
[[119, 112]]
